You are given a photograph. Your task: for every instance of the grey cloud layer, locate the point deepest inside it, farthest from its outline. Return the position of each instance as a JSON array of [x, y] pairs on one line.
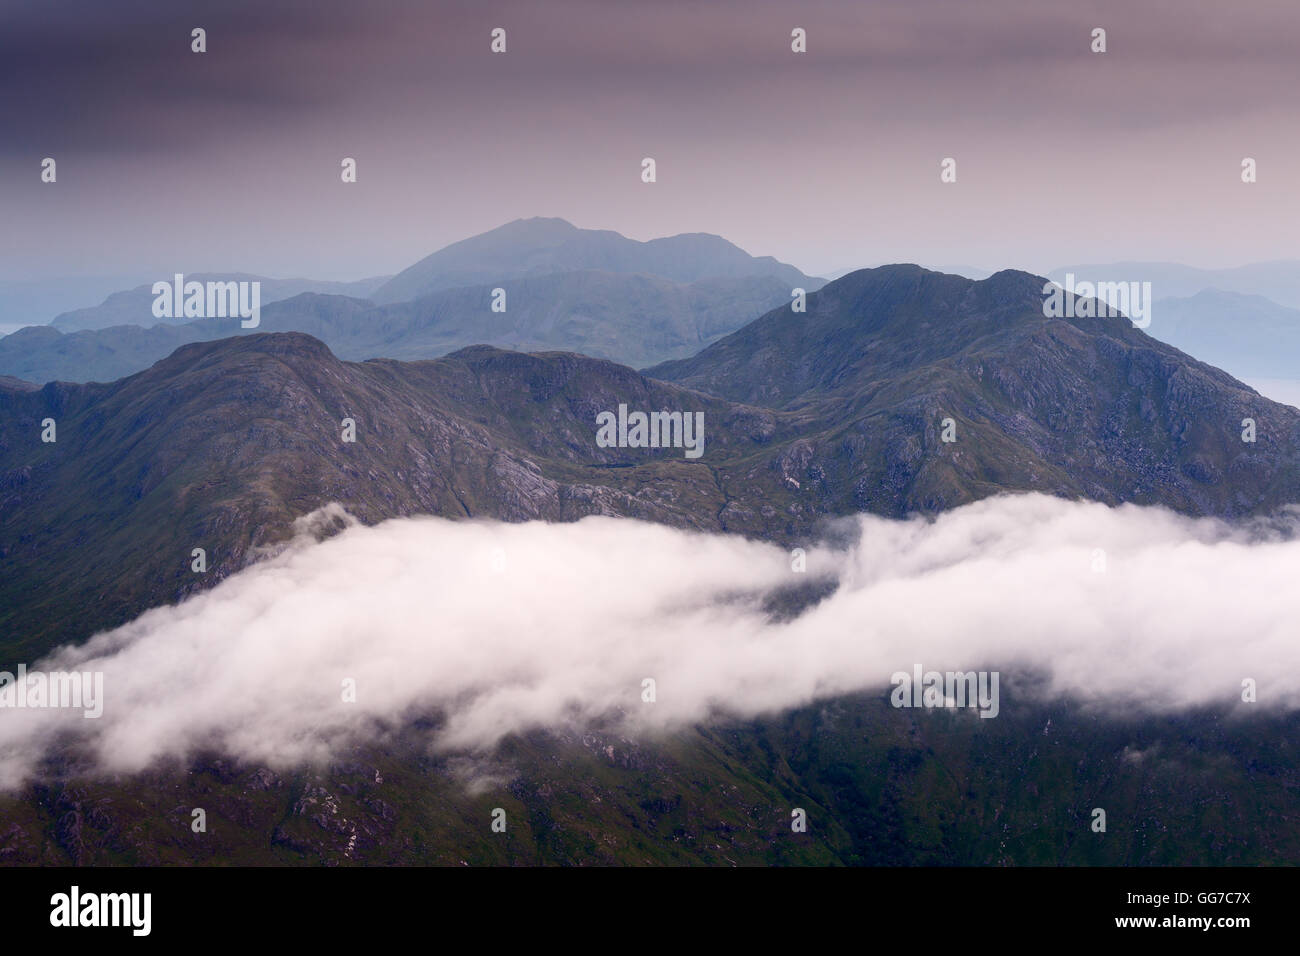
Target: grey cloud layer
[[229, 161]]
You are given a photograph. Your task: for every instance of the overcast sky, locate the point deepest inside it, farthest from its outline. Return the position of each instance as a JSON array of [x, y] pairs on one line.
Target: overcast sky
[[229, 160]]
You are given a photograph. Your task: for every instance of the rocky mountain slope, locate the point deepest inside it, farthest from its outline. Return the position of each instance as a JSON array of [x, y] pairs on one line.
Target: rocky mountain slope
[[880, 787], [223, 444], [840, 410], [1086, 406]]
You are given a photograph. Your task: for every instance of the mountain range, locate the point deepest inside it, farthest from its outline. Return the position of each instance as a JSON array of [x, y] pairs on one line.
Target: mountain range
[[830, 412], [1248, 335], [1244, 320], [807, 416], [636, 319], [134, 307], [1278, 281], [602, 294], [565, 288], [29, 301]]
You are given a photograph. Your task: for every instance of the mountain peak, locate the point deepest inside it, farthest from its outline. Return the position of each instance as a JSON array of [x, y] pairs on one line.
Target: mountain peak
[[883, 323], [543, 246], [292, 348], [534, 226]]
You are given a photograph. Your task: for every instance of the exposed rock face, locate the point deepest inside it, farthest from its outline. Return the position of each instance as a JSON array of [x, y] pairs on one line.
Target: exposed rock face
[[1088, 407]]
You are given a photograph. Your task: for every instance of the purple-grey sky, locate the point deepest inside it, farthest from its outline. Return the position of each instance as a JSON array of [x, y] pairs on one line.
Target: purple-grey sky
[[229, 160]]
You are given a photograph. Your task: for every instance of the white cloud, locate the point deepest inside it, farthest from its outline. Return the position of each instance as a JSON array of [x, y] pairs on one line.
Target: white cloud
[[422, 617]]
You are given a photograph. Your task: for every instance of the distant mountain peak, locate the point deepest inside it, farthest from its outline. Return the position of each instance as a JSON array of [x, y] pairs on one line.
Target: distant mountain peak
[[546, 245], [533, 225]]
